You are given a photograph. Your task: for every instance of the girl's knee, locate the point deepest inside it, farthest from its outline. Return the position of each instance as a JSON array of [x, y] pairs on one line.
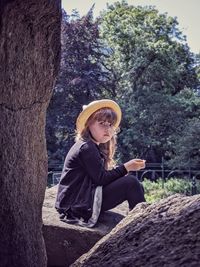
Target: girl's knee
[[134, 191], [133, 181]]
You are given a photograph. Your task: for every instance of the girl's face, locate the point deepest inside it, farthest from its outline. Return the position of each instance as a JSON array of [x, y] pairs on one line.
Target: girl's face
[[101, 131]]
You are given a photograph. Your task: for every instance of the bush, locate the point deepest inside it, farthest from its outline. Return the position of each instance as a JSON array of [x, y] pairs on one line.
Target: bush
[[160, 189]]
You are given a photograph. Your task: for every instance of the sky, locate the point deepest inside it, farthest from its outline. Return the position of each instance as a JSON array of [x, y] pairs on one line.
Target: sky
[[186, 11]]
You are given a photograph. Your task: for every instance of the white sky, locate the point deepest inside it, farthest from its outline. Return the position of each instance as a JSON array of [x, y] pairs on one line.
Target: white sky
[[186, 11]]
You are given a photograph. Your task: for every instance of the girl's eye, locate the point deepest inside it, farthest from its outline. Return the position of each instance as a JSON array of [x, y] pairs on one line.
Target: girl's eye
[[105, 123]]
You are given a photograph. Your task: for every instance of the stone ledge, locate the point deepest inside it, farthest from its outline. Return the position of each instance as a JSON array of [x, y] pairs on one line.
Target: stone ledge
[[64, 242]]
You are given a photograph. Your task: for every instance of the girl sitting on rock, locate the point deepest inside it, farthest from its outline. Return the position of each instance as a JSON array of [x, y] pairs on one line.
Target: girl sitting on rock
[[90, 183]]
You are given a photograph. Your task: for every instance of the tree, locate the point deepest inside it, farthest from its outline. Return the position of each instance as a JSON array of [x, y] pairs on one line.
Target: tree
[[150, 65], [186, 152], [29, 56], [81, 80]]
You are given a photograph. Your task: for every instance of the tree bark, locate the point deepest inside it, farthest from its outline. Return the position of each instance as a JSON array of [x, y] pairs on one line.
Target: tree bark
[[29, 61]]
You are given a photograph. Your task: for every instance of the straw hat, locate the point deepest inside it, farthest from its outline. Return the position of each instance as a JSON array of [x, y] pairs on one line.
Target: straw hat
[[94, 106]]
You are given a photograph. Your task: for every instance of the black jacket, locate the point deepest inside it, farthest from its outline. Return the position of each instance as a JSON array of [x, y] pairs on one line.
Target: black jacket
[[83, 171]]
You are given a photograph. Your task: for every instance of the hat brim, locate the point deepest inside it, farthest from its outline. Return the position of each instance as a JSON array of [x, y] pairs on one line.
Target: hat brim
[[93, 107]]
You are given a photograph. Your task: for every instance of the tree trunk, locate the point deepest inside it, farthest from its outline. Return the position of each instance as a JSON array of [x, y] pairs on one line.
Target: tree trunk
[[29, 60]]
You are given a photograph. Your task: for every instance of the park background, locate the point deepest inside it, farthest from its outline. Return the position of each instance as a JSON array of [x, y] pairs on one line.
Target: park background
[[140, 57], [136, 63]]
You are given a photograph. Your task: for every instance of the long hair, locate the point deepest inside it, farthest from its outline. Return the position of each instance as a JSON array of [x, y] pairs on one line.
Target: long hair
[[108, 148]]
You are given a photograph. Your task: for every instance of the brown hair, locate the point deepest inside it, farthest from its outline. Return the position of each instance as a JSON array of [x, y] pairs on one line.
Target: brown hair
[[108, 148]]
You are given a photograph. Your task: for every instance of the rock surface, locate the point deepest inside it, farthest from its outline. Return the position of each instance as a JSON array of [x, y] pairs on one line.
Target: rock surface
[[65, 243], [166, 234]]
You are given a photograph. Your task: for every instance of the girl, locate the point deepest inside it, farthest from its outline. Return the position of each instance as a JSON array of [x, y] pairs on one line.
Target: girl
[[89, 182]]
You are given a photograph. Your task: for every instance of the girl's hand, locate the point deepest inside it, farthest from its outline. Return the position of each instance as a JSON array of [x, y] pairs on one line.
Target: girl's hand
[[135, 165]]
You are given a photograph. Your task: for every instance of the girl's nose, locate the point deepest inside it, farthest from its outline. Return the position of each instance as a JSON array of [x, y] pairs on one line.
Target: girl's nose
[[107, 126]]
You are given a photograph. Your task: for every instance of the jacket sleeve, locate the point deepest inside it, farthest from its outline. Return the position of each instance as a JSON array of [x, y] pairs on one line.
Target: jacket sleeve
[[93, 164]]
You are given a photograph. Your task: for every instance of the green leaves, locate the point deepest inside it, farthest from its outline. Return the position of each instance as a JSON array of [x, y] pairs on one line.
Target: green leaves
[[154, 191], [153, 68]]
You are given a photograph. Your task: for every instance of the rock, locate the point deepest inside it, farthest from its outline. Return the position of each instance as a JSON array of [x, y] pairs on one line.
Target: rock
[[166, 233], [64, 242]]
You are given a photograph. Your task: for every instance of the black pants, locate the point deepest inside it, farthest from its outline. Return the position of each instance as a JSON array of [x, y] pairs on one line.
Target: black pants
[[125, 188]]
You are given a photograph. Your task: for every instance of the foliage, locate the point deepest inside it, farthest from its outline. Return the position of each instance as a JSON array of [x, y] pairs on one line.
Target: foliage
[[139, 58], [151, 66], [155, 191], [187, 150], [81, 80]]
